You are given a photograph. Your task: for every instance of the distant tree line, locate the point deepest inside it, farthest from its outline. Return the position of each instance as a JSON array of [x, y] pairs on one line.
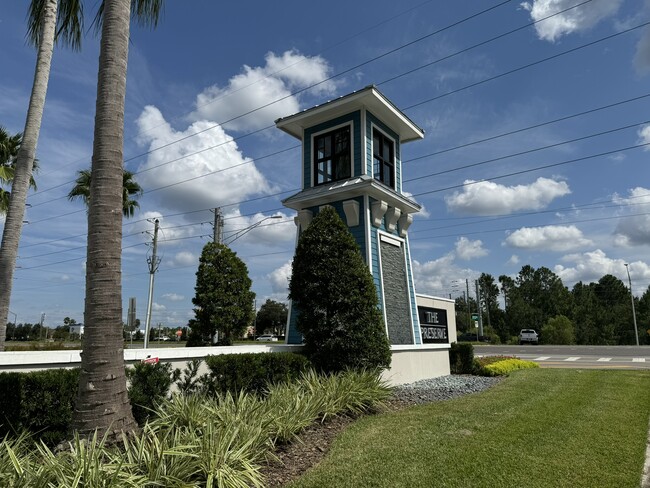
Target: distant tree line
[[597, 313]]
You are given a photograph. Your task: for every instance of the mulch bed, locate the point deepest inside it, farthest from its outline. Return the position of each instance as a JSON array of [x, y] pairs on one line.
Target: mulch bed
[[314, 442]]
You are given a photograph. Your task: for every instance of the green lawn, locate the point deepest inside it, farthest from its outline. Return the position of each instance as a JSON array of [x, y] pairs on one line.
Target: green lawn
[[537, 428]]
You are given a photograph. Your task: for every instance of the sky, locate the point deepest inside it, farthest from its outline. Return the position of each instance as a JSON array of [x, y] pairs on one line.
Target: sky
[[536, 119]]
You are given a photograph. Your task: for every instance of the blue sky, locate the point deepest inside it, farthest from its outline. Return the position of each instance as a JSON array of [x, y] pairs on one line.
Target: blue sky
[[572, 195]]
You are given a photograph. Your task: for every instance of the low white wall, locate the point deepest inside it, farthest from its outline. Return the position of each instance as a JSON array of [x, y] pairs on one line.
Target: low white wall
[[414, 363], [177, 356], [409, 364]]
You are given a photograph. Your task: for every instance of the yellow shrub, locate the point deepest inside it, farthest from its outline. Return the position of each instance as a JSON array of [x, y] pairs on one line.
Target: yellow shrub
[[508, 365]]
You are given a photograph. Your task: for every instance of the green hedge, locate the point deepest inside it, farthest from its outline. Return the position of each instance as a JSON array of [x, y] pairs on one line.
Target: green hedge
[[461, 358], [251, 372], [40, 402]]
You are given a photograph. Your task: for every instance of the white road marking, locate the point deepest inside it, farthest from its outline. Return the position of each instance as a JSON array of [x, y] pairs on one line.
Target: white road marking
[[572, 359], [542, 358], [604, 359], [638, 360]]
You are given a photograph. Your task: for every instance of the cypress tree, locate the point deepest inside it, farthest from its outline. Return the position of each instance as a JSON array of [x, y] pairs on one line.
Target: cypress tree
[[336, 299]]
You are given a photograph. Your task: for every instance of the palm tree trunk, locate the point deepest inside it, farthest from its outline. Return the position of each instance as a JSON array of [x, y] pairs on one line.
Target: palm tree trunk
[[24, 164], [102, 400]]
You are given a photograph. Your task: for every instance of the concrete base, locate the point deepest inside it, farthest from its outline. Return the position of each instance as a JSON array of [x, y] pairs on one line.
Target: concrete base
[[414, 363]]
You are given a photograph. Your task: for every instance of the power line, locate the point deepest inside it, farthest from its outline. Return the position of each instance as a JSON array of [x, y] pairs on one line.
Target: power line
[[528, 151], [529, 65], [546, 166], [336, 75]]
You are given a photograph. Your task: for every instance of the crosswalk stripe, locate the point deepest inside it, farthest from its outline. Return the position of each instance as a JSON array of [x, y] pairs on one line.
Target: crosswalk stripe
[[572, 359], [542, 358], [605, 359], [638, 360]]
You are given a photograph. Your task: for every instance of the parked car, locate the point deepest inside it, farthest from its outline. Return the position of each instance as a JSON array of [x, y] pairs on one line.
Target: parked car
[[528, 336], [267, 338]]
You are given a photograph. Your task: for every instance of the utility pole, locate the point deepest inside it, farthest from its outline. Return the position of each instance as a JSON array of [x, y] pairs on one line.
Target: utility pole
[[153, 262], [217, 227], [478, 305], [636, 331], [469, 312]]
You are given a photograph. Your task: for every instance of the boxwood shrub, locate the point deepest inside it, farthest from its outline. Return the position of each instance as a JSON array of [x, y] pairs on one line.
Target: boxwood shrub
[[461, 358], [40, 402], [251, 372]]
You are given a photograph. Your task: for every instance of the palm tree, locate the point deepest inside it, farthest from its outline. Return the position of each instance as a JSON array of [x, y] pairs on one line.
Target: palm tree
[[9, 146], [8, 150], [130, 188], [102, 400], [44, 27]]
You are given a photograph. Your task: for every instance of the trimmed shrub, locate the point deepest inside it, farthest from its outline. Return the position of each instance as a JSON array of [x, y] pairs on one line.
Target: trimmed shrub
[[40, 402], [461, 358], [251, 372], [336, 299], [149, 386]]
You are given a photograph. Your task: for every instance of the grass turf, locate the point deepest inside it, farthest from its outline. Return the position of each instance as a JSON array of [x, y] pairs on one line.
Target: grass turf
[[537, 428]]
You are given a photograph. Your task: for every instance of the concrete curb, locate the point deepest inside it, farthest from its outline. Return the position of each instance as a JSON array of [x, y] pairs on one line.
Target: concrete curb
[[645, 477]]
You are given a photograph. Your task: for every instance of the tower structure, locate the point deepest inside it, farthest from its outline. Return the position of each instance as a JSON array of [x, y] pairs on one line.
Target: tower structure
[[351, 160]]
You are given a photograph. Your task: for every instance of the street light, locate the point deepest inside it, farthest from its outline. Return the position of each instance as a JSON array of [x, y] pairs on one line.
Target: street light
[[636, 332], [241, 232]]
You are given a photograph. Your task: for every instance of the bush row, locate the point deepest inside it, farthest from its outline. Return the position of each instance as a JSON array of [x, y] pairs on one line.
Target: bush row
[[42, 402]]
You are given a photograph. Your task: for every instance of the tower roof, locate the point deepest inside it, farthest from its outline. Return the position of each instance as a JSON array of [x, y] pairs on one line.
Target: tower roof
[[369, 97]]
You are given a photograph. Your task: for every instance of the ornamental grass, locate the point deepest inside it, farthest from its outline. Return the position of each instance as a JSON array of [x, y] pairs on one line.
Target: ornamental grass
[[194, 440]]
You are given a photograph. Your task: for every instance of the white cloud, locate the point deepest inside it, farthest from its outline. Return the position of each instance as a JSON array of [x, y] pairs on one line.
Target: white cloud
[[644, 136], [551, 238], [633, 230], [164, 167], [269, 231], [173, 297], [489, 198], [578, 19], [642, 53], [436, 277], [514, 259], [260, 87], [158, 307], [466, 249], [185, 258], [279, 278], [591, 266]]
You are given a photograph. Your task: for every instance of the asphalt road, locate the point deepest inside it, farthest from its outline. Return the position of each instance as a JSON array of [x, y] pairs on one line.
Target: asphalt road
[[600, 357]]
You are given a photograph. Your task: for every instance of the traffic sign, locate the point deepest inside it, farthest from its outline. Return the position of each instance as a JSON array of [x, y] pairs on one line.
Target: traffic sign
[[474, 316]]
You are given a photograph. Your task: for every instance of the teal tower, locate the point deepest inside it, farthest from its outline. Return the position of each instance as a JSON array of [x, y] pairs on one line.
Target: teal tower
[[351, 160]]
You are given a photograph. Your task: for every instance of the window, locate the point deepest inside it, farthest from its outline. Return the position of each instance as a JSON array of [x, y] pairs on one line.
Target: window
[[383, 158], [332, 156]]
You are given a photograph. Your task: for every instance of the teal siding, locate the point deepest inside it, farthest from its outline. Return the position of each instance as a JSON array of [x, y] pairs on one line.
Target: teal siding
[[374, 251], [370, 120], [355, 118]]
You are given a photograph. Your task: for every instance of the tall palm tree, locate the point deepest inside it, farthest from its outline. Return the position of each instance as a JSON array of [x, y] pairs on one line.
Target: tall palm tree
[[102, 401], [44, 27], [130, 188]]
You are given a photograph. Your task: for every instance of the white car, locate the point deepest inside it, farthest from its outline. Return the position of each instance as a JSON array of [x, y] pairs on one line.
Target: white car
[[267, 338]]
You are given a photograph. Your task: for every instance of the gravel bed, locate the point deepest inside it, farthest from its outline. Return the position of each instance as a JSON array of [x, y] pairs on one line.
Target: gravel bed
[[442, 388]]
